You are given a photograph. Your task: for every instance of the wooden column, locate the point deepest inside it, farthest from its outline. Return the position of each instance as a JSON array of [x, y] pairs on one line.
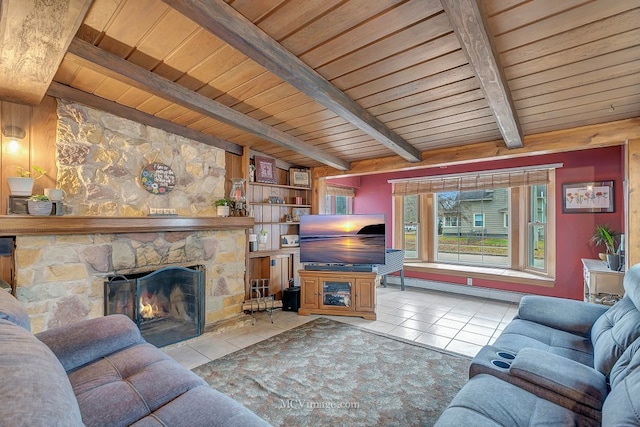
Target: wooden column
[[633, 200]]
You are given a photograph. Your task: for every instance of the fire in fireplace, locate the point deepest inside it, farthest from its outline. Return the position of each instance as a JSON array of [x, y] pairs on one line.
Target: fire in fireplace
[[166, 304]]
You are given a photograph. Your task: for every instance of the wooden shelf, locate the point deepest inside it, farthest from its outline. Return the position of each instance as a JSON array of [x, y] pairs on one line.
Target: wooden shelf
[[281, 251], [279, 223], [20, 225], [291, 187], [284, 205]]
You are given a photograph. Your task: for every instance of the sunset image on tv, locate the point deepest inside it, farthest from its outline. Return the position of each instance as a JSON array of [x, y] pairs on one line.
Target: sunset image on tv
[[343, 239]]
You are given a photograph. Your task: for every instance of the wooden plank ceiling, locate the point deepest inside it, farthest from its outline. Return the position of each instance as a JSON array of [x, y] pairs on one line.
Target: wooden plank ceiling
[[332, 82]]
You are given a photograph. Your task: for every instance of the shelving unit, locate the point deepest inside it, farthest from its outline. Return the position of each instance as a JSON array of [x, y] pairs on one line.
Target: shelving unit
[[274, 261]]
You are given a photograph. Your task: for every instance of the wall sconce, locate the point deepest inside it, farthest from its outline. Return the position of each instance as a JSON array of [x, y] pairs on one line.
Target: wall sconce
[[14, 133]]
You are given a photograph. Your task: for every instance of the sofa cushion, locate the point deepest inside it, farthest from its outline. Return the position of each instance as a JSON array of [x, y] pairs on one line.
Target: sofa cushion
[[34, 387], [627, 363], [142, 385], [521, 333], [206, 407], [128, 385], [576, 317], [488, 401], [622, 407], [613, 332], [85, 341], [11, 310], [560, 376]]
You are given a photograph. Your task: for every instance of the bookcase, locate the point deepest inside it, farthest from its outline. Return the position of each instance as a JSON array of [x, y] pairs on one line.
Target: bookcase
[[276, 209]]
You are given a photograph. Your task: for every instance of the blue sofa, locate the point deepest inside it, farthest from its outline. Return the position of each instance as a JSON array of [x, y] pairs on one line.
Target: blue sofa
[[559, 362], [100, 372]]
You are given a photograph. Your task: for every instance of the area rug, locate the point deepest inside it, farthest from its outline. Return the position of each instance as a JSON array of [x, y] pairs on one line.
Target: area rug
[[328, 373]]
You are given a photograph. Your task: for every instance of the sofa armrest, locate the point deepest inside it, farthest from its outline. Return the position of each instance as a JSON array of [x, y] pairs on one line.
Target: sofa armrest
[[576, 317], [560, 375], [82, 342]]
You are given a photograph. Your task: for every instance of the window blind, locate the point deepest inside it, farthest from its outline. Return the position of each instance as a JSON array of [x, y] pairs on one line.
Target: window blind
[[472, 181], [340, 191]]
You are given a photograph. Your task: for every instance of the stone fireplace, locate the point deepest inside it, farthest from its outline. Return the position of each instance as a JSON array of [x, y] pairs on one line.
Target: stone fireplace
[[60, 277], [166, 304], [62, 262]]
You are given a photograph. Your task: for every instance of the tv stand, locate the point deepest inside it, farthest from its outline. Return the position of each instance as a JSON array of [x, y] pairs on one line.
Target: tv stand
[[341, 293]]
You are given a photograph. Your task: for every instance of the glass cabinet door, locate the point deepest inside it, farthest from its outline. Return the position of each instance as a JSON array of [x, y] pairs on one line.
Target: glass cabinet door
[[336, 294]]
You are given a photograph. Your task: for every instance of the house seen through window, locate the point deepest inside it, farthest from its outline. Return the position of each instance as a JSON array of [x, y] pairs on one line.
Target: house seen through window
[[483, 226]]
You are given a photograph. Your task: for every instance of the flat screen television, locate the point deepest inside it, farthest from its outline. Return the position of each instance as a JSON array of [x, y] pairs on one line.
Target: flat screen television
[[342, 239]]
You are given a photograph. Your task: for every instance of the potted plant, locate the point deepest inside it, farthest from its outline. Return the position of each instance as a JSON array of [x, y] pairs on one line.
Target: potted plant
[[223, 206], [22, 183], [39, 204], [606, 236]]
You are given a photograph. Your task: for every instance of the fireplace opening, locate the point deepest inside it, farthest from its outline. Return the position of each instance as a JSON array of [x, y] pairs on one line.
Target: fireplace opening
[[166, 304]]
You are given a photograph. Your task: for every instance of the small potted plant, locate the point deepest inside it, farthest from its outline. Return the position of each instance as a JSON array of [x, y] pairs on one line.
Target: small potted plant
[[223, 206], [22, 183], [606, 236], [39, 204]]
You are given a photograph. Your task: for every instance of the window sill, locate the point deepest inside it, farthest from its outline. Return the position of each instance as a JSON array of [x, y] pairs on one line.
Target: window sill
[[485, 273]]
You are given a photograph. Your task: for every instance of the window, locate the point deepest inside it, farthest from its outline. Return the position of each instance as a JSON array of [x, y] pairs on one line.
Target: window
[[451, 221], [537, 227], [493, 219], [478, 220], [338, 200], [411, 226], [473, 231]]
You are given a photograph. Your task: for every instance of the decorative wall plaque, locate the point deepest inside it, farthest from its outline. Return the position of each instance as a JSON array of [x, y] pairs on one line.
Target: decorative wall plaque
[[265, 170], [158, 178]]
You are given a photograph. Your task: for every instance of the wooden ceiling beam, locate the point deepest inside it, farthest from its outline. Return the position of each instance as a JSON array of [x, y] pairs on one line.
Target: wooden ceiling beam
[[560, 141], [226, 23], [119, 69], [469, 26], [34, 36], [58, 90]]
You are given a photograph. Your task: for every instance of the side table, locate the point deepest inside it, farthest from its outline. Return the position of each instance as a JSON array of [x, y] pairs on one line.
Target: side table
[[599, 279]]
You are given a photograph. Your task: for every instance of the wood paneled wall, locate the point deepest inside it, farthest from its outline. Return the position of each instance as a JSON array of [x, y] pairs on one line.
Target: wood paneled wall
[[37, 148]]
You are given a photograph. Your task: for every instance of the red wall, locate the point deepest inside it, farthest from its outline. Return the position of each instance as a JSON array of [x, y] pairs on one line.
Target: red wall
[[573, 231]]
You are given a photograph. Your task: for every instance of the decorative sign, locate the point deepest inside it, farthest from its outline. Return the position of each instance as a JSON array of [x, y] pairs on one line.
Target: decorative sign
[[158, 178], [265, 170], [299, 177]]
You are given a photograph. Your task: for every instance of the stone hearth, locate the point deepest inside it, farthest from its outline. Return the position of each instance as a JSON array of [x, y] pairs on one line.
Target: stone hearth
[[60, 277]]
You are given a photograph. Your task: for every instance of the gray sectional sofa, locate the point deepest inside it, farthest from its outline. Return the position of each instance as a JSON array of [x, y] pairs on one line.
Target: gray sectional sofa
[[559, 362], [100, 372]]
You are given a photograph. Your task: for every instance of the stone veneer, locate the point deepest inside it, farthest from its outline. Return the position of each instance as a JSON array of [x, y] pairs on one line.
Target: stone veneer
[[100, 158], [60, 278]]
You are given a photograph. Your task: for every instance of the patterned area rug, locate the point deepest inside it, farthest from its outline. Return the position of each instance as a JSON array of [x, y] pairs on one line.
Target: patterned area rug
[[327, 373]]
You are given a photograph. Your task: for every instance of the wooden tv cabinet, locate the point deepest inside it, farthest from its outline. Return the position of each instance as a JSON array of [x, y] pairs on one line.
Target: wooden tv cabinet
[[341, 293]]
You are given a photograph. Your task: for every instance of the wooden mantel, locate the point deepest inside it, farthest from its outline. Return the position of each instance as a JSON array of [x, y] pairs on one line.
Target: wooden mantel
[[19, 225]]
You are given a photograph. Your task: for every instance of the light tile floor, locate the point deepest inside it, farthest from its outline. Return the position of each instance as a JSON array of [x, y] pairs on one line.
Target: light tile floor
[[458, 323]]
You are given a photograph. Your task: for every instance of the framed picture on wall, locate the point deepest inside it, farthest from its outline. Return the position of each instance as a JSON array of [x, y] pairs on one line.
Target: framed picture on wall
[[266, 170], [585, 197], [299, 177]]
